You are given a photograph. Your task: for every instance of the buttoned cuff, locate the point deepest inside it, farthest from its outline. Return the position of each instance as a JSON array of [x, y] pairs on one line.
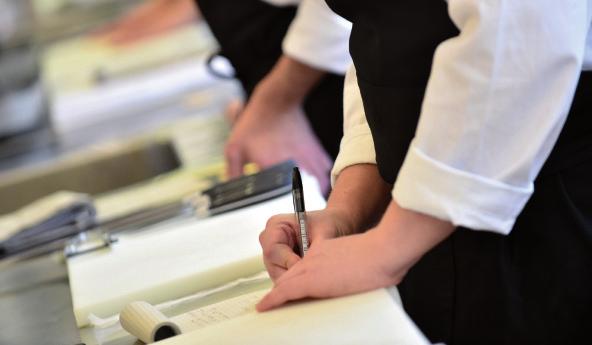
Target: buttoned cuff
[[356, 148], [433, 188]]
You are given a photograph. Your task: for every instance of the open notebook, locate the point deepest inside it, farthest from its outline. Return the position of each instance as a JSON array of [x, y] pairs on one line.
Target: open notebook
[[368, 318]]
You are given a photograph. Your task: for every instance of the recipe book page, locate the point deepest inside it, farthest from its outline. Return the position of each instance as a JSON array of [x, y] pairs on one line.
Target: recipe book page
[[368, 318]]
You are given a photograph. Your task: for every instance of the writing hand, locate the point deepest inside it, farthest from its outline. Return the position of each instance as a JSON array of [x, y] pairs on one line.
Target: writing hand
[[281, 232], [334, 267], [351, 264]]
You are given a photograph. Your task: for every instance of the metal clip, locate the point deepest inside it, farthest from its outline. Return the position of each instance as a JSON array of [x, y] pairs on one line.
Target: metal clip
[[88, 241]]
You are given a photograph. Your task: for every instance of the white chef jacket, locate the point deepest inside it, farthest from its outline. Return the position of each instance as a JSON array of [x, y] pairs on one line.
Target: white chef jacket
[[495, 103], [317, 36]]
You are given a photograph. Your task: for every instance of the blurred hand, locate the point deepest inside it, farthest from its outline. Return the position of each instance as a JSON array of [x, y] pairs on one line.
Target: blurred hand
[[233, 110], [150, 19], [281, 233], [266, 137], [273, 127]]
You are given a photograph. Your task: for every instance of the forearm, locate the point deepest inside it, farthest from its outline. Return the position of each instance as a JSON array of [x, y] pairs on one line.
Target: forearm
[[286, 85], [360, 196], [405, 236]]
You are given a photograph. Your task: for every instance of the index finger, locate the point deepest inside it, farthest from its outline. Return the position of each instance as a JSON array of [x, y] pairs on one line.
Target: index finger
[[294, 288]]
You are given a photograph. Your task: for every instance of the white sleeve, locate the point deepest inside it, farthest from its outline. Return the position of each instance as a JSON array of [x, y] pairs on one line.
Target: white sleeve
[[356, 146], [319, 37], [497, 98]]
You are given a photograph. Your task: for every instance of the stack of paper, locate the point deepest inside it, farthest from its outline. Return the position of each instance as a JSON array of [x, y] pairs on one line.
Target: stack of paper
[[90, 81], [79, 63]]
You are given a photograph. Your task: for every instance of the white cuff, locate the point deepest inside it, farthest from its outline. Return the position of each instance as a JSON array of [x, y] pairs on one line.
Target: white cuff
[[430, 187], [319, 38], [356, 148]]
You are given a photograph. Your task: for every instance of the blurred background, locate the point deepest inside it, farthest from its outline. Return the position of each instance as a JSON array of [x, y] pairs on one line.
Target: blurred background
[[114, 116], [100, 96]]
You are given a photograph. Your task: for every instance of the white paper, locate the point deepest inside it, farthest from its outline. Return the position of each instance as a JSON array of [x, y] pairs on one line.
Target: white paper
[[367, 318]]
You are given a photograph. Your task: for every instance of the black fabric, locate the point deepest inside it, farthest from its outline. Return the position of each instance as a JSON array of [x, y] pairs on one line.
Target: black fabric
[[533, 286], [324, 110], [575, 141], [392, 44], [250, 33]]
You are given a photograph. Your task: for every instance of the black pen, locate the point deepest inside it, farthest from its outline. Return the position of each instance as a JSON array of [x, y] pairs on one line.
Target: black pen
[[299, 210]]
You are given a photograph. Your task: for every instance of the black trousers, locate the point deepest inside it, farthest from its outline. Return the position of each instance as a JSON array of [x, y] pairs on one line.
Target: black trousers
[[533, 286]]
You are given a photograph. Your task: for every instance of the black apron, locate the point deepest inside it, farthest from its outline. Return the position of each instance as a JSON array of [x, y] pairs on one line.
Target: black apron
[[250, 34], [532, 286]]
